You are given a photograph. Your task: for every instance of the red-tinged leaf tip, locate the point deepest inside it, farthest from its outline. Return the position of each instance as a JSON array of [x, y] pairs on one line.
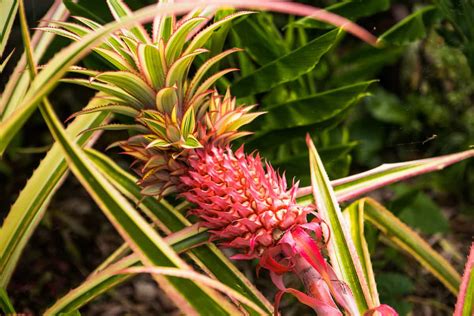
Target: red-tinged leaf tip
[[309, 250], [309, 141], [320, 307], [383, 310], [461, 301]]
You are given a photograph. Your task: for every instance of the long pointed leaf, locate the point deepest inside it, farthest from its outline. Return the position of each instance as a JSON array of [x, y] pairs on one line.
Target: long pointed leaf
[[313, 109], [102, 281], [5, 303], [28, 209], [8, 11], [356, 185], [342, 252], [465, 302], [19, 80], [409, 241], [354, 215], [119, 10], [197, 277]]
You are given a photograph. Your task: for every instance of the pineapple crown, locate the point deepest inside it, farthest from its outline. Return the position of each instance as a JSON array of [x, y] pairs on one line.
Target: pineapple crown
[[174, 106]]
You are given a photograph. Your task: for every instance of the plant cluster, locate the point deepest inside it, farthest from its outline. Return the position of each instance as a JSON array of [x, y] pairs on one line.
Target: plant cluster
[[183, 116]]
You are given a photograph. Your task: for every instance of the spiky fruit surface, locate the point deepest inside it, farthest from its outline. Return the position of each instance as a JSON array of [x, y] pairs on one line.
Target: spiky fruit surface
[[248, 207], [245, 206]]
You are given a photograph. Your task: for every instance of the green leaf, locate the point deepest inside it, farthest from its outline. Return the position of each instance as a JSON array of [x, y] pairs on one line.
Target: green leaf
[[409, 29], [32, 202], [286, 68], [422, 213], [8, 10], [177, 74], [122, 96], [313, 109], [359, 184], [177, 40], [268, 140], [410, 242], [120, 10], [152, 64], [114, 58], [72, 28], [130, 83], [387, 107], [5, 303], [189, 122], [82, 10], [465, 301], [364, 63], [261, 46], [166, 99], [342, 251], [195, 82], [394, 289], [206, 84], [4, 63], [112, 108], [354, 216], [350, 9], [202, 37], [118, 127], [19, 80], [191, 142]]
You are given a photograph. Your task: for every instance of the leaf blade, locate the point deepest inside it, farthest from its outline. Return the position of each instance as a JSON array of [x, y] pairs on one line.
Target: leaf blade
[[409, 241], [356, 185], [344, 257], [29, 207], [286, 68]]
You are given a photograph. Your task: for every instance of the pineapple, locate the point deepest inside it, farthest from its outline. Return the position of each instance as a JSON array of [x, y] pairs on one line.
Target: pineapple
[[183, 131]]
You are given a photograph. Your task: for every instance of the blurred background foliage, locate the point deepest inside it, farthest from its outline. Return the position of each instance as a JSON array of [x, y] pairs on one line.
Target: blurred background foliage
[[411, 98]]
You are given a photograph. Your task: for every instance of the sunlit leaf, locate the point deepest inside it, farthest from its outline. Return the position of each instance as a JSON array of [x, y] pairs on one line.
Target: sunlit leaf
[[465, 302], [130, 83], [342, 251], [359, 184], [176, 42], [19, 80], [152, 64], [32, 202], [120, 10], [354, 216], [8, 10]]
